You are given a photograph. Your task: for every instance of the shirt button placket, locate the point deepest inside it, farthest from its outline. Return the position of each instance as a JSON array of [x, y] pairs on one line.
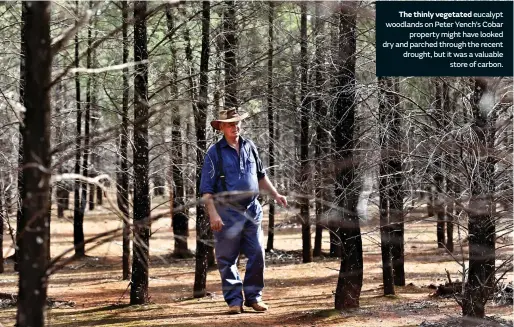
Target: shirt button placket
[[241, 162]]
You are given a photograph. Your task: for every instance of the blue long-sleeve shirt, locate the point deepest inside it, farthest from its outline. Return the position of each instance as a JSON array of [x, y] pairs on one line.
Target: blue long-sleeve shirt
[[242, 172]]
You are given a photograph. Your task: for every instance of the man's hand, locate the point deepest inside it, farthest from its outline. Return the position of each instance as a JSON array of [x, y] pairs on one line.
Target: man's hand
[[281, 200], [216, 223]]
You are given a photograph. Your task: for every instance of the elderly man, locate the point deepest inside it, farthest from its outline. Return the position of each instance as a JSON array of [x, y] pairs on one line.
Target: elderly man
[[232, 176]]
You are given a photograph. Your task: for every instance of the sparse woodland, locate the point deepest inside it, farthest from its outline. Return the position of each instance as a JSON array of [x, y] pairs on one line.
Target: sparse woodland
[[105, 109]]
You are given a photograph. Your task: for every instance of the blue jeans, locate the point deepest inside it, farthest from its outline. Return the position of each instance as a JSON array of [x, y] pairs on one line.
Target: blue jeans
[[241, 232]]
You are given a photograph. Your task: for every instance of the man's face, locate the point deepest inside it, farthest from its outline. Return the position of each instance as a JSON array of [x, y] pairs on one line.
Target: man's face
[[231, 130]]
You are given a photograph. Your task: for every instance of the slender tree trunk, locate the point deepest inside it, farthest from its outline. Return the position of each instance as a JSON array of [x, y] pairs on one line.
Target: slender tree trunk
[[438, 174], [140, 255], [19, 212], [430, 200], [87, 119], [180, 220], [304, 142], [333, 223], [99, 195], [321, 133], [191, 182], [349, 283], [123, 174], [216, 93], [93, 188], [448, 108], [396, 191], [60, 190], [202, 223], [78, 213], [230, 44], [36, 142], [230, 48], [481, 223], [271, 126], [385, 110]]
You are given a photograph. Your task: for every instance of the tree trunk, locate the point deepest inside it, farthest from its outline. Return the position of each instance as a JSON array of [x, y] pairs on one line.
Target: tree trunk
[[349, 283], [140, 255], [92, 187], [271, 126], [179, 218], [430, 200], [36, 142], [60, 189], [78, 213], [123, 174], [396, 191], [19, 212], [87, 119], [481, 223], [230, 48], [99, 195], [333, 222], [321, 133], [451, 185], [438, 173], [61, 194], [304, 141], [202, 223], [94, 116], [385, 111]]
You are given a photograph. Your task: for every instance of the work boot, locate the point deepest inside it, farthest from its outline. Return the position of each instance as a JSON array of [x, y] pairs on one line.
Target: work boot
[[259, 306], [236, 309]]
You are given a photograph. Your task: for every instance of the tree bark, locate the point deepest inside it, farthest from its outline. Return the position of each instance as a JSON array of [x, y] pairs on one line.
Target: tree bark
[[19, 212], [36, 142], [385, 110], [451, 185], [87, 119], [78, 213], [349, 283], [140, 255], [304, 141], [229, 49], [481, 222], [123, 174], [202, 223], [179, 218], [61, 193], [396, 191], [333, 222], [271, 126], [321, 133], [99, 195], [438, 173]]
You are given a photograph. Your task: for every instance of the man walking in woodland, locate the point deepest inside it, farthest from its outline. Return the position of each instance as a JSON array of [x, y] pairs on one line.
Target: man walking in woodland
[[232, 176]]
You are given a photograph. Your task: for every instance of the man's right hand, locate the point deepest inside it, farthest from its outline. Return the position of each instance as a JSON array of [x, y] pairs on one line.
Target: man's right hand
[[216, 223]]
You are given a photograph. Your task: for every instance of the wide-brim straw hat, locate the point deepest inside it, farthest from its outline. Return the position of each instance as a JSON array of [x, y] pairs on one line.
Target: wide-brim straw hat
[[228, 116]]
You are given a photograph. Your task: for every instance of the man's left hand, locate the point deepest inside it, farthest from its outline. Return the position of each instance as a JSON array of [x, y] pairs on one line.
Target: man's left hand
[[281, 200]]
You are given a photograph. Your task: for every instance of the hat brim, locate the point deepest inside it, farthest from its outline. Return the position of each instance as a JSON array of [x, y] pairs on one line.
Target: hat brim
[[216, 123]]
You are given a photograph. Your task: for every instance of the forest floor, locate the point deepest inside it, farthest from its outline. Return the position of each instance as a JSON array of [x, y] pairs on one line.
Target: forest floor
[[91, 292]]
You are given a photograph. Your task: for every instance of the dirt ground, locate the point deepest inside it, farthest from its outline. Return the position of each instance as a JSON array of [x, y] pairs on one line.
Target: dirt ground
[[91, 292]]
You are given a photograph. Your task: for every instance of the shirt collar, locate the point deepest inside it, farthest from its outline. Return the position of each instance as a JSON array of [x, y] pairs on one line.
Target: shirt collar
[[224, 143]]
